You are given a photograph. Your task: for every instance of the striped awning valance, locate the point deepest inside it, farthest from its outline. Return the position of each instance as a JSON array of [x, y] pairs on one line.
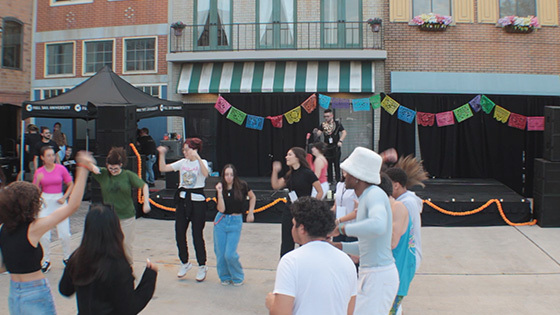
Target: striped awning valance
[[277, 76]]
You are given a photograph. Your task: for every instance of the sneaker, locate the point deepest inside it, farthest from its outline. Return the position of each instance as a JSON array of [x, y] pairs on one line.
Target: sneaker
[[46, 266], [183, 269], [201, 274], [237, 284], [227, 282]]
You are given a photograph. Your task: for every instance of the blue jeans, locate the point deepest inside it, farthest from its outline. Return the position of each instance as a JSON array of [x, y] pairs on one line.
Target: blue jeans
[[227, 231], [30, 298], [150, 161]]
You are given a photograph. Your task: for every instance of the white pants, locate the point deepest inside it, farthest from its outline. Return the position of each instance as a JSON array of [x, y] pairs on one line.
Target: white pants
[[63, 228], [128, 227], [325, 187], [377, 289]]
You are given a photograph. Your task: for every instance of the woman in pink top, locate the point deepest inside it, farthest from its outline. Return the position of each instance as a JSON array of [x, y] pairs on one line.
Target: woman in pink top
[[50, 178], [319, 167]]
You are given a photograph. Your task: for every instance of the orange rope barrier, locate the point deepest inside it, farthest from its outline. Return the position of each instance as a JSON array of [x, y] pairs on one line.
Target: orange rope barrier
[[141, 197], [479, 209]]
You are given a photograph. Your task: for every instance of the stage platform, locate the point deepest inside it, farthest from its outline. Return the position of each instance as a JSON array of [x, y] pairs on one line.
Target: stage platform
[[459, 195], [456, 195]]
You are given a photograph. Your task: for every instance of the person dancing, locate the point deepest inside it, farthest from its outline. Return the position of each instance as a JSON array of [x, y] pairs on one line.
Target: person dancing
[[190, 203], [319, 167], [99, 272], [116, 186], [49, 178], [300, 180], [231, 193], [20, 232]]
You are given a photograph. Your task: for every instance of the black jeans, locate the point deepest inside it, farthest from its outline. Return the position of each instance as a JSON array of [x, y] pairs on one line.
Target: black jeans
[[333, 157], [288, 243], [198, 218]]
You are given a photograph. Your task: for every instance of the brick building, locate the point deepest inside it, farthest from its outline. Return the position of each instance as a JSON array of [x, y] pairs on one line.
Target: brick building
[[76, 38], [266, 57], [15, 67]]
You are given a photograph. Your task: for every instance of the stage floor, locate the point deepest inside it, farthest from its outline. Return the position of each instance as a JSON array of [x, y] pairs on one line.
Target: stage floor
[[459, 195]]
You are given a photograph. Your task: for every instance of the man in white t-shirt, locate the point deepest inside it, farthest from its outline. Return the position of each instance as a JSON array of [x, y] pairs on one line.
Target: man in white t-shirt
[[412, 203], [315, 278]]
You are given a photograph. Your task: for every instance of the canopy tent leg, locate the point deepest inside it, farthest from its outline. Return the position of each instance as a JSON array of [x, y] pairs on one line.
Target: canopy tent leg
[[22, 151]]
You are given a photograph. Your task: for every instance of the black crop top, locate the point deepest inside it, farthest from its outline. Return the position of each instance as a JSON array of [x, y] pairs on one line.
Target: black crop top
[[18, 254], [234, 206]]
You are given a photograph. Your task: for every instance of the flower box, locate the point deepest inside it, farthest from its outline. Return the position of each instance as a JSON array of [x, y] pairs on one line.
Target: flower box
[[432, 22], [516, 24]]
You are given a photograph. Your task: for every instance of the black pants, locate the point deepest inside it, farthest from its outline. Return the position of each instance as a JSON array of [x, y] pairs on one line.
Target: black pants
[[287, 239], [333, 157], [198, 219]]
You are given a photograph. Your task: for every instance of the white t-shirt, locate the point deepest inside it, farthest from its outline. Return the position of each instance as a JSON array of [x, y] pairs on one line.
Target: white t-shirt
[[414, 206], [344, 200], [321, 278], [190, 175]]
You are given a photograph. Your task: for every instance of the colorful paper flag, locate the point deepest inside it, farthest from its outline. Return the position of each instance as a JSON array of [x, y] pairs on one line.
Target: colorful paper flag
[[294, 115], [375, 101], [487, 104], [425, 119], [501, 114], [310, 104], [475, 103], [276, 121], [535, 123], [517, 121], [324, 101], [222, 105], [254, 122], [236, 115], [360, 104], [340, 102], [463, 112], [406, 114], [390, 105], [445, 119]]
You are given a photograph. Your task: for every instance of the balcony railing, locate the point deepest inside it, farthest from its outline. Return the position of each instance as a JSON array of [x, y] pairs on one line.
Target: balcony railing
[[275, 36]]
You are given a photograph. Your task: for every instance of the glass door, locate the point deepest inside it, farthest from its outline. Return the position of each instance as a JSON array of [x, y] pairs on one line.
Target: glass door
[[214, 28], [341, 23], [276, 24]]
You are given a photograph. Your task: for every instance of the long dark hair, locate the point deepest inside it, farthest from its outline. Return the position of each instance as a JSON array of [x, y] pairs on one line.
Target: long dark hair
[[300, 155], [102, 244], [238, 187]]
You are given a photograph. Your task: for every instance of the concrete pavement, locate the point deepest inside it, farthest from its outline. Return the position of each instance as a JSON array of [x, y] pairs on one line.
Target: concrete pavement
[[466, 270]]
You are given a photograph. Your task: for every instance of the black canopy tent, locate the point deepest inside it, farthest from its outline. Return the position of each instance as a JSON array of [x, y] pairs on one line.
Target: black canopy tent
[[102, 90]]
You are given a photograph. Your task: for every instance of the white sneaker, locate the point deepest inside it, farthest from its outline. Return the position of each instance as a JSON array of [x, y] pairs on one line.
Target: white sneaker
[[201, 274], [183, 269]]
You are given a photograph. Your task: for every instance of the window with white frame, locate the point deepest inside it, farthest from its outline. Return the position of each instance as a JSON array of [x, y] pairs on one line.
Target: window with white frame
[[12, 43], [67, 2], [60, 59], [98, 54], [517, 7], [153, 90], [442, 7], [140, 54], [41, 94]]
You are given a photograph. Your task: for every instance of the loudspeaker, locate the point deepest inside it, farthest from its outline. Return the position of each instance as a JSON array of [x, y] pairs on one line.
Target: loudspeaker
[[552, 133], [174, 149], [546, 193], [106, 139], [115, 117]]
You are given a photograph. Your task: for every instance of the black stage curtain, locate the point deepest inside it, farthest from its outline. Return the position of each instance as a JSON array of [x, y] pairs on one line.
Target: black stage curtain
[[479, 147], [252, 151]]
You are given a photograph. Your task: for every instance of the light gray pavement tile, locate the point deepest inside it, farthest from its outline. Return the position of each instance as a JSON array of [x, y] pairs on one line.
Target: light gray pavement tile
[[545, 238]]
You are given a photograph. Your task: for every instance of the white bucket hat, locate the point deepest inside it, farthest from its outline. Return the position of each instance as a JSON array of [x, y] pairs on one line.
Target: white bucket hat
[[364, 164]]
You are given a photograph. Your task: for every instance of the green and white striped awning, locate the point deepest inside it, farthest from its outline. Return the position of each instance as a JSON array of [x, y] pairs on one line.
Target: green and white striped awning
[[277, 76]]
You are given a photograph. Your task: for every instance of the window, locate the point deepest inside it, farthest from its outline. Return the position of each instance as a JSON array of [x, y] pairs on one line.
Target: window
[[276, 23], [214, 28], [517, 7], [98, 54], [431, 6], [140, 54], [153, 90], [68, 2], [41, 94], [12, 42], [60, 59]]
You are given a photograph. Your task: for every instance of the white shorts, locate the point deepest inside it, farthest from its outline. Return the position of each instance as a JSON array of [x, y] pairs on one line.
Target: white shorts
[[377, 288]]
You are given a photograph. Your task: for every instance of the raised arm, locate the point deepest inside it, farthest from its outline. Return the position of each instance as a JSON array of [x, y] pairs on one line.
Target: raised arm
[[162, 166], [275, 182], [40, 226]]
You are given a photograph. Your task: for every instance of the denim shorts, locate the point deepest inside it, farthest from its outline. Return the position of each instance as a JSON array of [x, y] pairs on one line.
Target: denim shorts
[[31, 297]]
